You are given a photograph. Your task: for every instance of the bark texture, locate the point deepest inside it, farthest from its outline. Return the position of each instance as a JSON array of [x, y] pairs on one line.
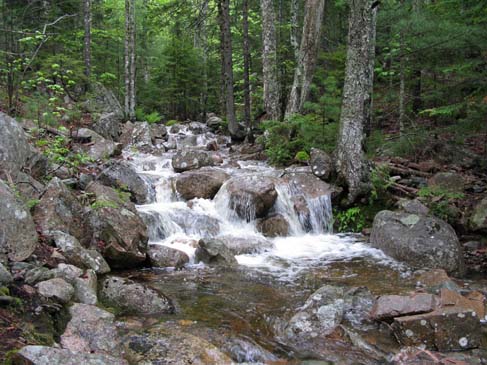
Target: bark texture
[[246, 54], [130, 59], [269, 60], [308, 52], [227, 65], [357, 93], [87, 39]]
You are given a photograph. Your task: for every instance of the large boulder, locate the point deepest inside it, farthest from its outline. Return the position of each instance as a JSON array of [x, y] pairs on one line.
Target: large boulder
[[94, 145], [174, 346], [251, 197], [138, 134], [203, 183], [108, 125], [419, 240], [103, 100], [120, 235], [321, 164], [245, 245], [42, 355], [14, 148], [57, 289], [77, 255], [478, 219], [274, 225], [122, 175], [214, 252], [60, 210], [133, 298], [106, 194], [185, 160], [18, 236], [214, 122], [91, 330], [195, 223], [164, 256]]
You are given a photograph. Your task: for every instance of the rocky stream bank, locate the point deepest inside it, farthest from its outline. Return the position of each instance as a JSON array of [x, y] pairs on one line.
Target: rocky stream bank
[[175, 246]]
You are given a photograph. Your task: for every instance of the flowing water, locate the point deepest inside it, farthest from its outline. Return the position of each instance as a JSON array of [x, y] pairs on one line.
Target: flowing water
[[240, 309]]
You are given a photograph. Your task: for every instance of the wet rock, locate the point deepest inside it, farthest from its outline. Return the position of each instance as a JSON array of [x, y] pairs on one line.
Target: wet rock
[[85, 288], [107, 194], [251, 197], [308, 185], [42, 355], [18, 236], [448, 181], [245, 245], [56, 289], [138, 134], [191, 160], [163, 256], [446, 329], [91, 330], [121, 236], [413, 206], [122, 176], [203, 183], [174, 346], [359, 302], [274, 225], [478, 219], [133, 298], [474, 301], [60, 210], [158, 131], [14, 148], [95, 146], [194, 223], [214, 252], [321, 164], [319, 316], [77, 254], [197, 127], [390, 306], [5, 276], [421, 241], [108, 125]]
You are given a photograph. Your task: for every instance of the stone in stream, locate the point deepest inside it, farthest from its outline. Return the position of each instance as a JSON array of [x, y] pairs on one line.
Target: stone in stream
[[446, 329], [94, 145], [121, 175], [390, 306], [132, 298], [163, 256], [174, 346], [18, 236], [77, 254], [214, 122], [251, 197], [60, 210], [121, 236], [185, 160], [419, 240], [194, 223], [43, 355], [91, 330], [203, 183], [321, 164], [245, 245], [214, 252], [274, 225]]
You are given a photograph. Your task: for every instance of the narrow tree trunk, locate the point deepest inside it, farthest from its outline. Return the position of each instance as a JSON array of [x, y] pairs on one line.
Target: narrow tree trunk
[[246, 54], [227, 65], [308, 52], [130, 59], [294, 28], [269, 60], [202, 37], [87, 41], [402, 85], [349, 156]]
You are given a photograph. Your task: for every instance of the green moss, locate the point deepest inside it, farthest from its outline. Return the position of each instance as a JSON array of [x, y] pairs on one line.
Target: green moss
[[99, 204]]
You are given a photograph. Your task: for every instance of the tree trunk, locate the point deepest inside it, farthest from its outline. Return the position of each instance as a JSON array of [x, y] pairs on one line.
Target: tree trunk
[[269, 60], [294, 28], [227, 65], [356, 102], [246, 54], [308, 52], [130, 59], [203, 44], [87, 41]]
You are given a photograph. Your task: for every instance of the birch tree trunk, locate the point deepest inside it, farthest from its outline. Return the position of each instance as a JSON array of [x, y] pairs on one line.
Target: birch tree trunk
[[269, 60], [227, 66], [294, 28], [349, 156], [130, 59], [308, 52], [87, 40], [246, 75]]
